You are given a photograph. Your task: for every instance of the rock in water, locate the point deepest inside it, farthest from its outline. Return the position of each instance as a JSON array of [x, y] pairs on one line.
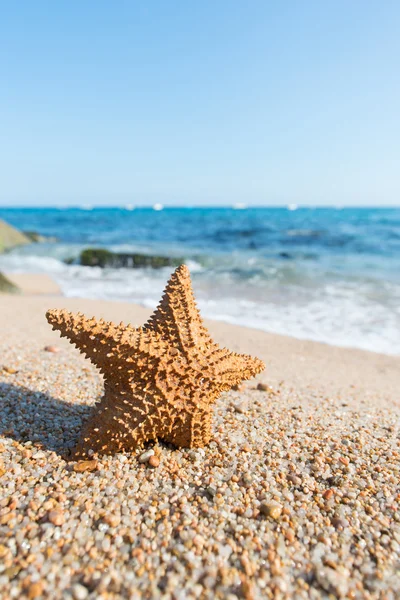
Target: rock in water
[[161, 380], [100, 257]]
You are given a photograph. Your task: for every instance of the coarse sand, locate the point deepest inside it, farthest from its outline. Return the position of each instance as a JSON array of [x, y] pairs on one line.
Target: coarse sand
[[297, 495]]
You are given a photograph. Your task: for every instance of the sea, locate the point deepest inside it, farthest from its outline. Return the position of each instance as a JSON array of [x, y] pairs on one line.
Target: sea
[[326, 274]]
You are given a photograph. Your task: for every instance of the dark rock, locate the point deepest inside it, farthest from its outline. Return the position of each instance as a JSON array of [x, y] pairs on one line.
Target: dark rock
[[99, 257]]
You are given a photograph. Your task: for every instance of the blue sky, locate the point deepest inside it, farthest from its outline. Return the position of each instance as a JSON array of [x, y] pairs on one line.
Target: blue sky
[[200, 102]]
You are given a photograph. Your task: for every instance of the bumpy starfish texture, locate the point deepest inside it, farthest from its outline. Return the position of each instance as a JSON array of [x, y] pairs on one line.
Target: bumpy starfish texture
[[160, 380]]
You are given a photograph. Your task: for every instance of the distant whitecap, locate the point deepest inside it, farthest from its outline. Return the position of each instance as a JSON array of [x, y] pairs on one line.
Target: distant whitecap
[[293, 206], [158, 206], [129, 207], [239, 206]]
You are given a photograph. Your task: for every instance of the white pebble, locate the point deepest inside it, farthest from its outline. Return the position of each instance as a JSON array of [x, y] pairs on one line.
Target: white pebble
[[79, 592], [143, 458]]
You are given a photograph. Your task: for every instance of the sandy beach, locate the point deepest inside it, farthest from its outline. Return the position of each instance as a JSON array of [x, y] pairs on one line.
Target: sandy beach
[[297, 495]]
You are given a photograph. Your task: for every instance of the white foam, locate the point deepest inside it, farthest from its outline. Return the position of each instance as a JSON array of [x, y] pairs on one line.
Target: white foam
[[15, 263], [194, 266]]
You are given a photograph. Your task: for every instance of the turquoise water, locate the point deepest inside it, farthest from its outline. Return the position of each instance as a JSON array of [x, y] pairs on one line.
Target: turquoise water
[[326, 274]]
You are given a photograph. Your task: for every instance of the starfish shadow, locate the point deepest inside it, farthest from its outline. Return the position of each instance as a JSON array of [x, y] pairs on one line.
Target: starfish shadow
[[27, 415]]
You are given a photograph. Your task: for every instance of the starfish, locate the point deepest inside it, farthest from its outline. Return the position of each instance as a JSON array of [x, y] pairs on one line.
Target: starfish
[[160, 380]]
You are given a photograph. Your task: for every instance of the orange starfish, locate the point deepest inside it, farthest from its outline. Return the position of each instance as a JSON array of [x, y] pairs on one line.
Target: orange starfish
[[160, 380]]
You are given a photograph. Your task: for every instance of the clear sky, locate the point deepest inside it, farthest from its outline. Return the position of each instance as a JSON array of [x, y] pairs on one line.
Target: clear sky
[[189, 102]]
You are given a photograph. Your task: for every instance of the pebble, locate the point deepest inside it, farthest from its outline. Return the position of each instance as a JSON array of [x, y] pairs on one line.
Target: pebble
[[53, 349], [271, 510], [211, 490], [85, 465], [263, 387], [328, 494], [333, 582], [56, 517], [79, 592], [154, 461], [112, 520], [143, 458], [239, 408], [339, 523], [247, 479], [35, 590], [193, 455], [10, 370], [295, 479]]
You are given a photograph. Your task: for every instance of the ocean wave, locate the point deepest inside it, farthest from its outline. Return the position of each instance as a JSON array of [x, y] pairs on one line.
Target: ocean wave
[[15, 263]]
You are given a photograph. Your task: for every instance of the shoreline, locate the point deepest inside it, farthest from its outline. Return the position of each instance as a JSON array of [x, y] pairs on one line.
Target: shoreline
[[331, 369], [38, 284]]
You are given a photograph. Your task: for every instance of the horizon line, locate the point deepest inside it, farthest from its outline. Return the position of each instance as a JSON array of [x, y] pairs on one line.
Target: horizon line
[[158, 206]]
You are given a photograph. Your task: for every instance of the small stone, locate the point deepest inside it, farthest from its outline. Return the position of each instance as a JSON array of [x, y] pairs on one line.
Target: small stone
[[10, 370], [79, 592], [328, 494], [295, 479], [56, 517], [339, 523], [112, 520], [239, 408], [35, 590], [12, 572], [333, 582], [193, 455], [53, 349], [2, 469], [4, 519], [85, 465], [211, 491], [143, 458], [153, 461], [238, 388], [272, 510], [198, 541], [247, 479], [263, 387], [290, 536], [247, 588]]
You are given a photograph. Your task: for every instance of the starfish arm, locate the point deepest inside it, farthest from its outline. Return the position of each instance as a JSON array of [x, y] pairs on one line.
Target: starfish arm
[[100, 341], [177, 318], [229, 369]]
